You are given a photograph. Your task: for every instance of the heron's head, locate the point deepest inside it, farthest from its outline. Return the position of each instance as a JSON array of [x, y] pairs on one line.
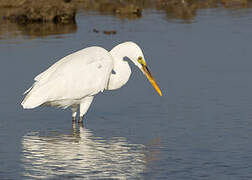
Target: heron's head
[[135, 54], [137, 57]]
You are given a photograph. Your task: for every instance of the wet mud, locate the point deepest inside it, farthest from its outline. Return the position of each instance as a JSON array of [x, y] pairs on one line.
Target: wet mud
[[64, 11], [46, 17]]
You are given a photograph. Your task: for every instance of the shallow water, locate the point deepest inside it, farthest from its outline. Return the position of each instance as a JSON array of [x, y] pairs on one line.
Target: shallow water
[[200, 128]]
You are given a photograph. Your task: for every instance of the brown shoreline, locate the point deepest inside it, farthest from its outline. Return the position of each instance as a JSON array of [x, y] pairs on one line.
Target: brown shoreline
[[63, 11]]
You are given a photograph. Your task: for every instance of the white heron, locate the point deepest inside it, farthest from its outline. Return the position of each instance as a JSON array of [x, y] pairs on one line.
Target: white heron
[[75, 79]]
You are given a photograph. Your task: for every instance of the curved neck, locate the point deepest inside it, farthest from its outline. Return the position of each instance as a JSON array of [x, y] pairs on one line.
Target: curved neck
[[121, 68]]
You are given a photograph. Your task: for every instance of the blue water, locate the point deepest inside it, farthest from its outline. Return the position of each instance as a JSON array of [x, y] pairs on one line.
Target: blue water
[[200, 128]]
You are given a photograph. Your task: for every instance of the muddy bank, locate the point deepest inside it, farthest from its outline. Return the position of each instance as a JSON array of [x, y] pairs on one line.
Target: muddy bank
[[50, 17], [30, 11], [63, 11], [187, 9]]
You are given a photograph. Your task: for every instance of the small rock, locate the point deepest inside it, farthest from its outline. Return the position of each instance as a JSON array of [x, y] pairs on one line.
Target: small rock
[[109, 32], [95, 30]]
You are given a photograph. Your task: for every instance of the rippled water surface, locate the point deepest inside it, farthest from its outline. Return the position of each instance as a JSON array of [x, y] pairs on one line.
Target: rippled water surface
[[200, 128]]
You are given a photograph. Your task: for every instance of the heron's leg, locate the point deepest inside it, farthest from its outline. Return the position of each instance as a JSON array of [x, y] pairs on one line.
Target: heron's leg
[[84, 105], [74, 112]]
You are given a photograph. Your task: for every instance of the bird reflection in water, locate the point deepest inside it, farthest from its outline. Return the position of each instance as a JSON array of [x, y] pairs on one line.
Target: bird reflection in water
[[81, 155]]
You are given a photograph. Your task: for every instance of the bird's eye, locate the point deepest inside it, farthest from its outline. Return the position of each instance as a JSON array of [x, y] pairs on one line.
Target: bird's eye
[[140, 60]]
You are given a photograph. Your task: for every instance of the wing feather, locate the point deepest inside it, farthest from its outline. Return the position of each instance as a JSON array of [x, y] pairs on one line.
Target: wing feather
[[75, 76]]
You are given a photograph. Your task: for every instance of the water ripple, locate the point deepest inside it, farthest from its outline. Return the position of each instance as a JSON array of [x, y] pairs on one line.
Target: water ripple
[[80, 155]]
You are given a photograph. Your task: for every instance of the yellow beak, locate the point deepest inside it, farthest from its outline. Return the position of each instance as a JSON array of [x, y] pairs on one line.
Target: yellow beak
[[151, 79]]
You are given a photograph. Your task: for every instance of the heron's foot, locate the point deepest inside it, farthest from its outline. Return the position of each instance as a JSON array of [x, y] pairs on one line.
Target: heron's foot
[[73, 118], [81, 119]]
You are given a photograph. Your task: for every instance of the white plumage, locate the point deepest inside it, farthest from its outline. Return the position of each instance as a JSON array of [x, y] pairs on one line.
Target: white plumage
[[76, 78]]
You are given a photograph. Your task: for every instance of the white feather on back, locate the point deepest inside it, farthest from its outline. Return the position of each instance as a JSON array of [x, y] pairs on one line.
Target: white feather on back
[[83, 73]]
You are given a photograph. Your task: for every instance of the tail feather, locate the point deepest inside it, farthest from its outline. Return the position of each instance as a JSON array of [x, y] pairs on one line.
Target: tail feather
[[34, 98], [28, 90]]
